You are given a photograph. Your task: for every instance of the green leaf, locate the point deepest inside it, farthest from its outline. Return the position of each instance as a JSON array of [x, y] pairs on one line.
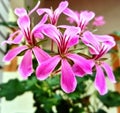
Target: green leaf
[[101, 111], [63, 107], [42, 41], [9, 24], [117, 33], [12, 89], [111, 99], [117, 74], [77, 109]]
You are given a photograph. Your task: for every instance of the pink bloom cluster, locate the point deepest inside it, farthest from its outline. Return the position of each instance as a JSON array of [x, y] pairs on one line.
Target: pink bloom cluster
[[66, 60]]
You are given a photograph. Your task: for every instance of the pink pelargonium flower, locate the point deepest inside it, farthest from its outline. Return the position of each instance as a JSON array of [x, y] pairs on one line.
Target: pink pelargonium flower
[[101, 66], [71, 20], [99, 45], [81, 19], [26, 68], [24, 27], [54, 15], [93, 42], [64, 42], [99, 21]]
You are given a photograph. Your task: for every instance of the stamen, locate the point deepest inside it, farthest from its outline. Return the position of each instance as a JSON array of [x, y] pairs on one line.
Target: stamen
[[98, 62]]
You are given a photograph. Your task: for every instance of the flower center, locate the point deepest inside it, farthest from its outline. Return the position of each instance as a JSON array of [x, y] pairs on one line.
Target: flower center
[[98, 62]]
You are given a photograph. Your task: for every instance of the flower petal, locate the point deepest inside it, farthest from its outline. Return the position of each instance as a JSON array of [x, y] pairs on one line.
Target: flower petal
[[45, 10], [78, 70], [60, 8], [86, 16], [46, 67], [71, 14], [40, 54], [109, 72], [99, 21], [20, 12], [43, 20], [107, 40], [24, 23], [88, 37], [36, 31], [90, 40], [13, 53], [71, 35], [84, 64], [52, 32], [100, 83], [73, 41], [14, 38], [68, 80], [92, 49], [25, 68], [39, 35], [35, 8], [17, 39], [71, 32]]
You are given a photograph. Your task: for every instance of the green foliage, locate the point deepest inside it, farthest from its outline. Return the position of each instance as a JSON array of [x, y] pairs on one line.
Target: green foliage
[[111, 99], [101, 111], [117, 74], [117, 33], [48, 93], [12, 89], [9, 24]]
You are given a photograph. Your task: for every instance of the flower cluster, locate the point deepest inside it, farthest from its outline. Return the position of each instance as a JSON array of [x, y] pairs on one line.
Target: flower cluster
[[68, 59]]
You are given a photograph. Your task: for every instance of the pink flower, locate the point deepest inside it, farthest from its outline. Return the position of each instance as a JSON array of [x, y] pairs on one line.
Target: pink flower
[[64, 56], [100, 65], [53, 15], [95, 42], [99, 45], [99, 21], [71, 20], [24, 26], [81, 19], [25, 68]]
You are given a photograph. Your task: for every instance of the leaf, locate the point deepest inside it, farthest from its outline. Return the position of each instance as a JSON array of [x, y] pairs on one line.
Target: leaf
[[117, 33], [9, 24], [117, 74], [101, 111], [77, 109], [111, 99], [41, 41], [63, 107], [12, 89]]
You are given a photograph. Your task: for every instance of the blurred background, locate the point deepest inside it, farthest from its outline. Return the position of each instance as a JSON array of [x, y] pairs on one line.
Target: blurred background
[[24, 101]]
